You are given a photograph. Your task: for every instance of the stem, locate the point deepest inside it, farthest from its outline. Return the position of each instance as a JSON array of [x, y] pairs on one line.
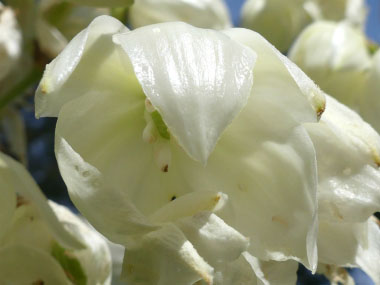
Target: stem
[[32, 77]]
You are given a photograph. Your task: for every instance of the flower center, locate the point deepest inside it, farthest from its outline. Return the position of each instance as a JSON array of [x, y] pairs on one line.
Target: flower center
[[156, 133]]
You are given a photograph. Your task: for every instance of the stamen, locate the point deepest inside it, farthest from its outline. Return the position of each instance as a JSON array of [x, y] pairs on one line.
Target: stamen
[[148, 106], [162, 154], [149, 133]]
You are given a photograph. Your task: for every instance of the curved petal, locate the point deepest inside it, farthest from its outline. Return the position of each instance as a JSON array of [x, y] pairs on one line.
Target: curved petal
[[186, 72], [279, 80], [335, 56], [348, 155], [212, 14], [69, 75], [22, 183], [37, 266], [8, 199], [163, 257], [273, 272], [215, 241], [96, 257]]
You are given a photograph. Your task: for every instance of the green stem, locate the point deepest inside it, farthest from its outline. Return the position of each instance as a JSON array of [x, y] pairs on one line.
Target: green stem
[[32, 77]]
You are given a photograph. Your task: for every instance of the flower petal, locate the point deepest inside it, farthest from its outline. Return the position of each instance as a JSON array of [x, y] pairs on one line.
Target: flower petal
[[37, 266], [21, 182], [215, 241], [212, 14], [69, 75], [8, 199], [96, 257], [288, 87], [348, 155], [165, 256], [199, 80]]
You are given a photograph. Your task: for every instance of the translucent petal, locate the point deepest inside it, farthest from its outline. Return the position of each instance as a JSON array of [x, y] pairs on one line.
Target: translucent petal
[[335, 56], [21, 264], [338, 243], [163, 257], [69, 75], [21, 182], [348, 155], [279, 80], [95, 258], [215, 241], [368, 257], [273, 272], [198, 80], [93, 175], [212, 14]]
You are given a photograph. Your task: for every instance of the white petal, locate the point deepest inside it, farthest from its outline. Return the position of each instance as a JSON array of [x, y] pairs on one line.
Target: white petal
[[368, 257], [338, 243], [335, 56], [199, 80], [348, 155], [8, 199], [163, 257], [20, 264], [288, 87], [190, 204], [215, 241], [370, 103], [95, 258], [212, 14], [278, 21], [104, 3], [273, 272], [70, 74], [22, 183]]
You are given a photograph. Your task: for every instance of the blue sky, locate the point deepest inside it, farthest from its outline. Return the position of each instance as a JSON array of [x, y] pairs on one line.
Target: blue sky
[[373, 22]]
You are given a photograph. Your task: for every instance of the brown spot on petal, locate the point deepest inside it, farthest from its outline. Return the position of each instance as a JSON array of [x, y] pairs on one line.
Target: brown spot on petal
[[173, 198], [280, 220], [336, 211], [165, 168], [21, 201], [38, 282]]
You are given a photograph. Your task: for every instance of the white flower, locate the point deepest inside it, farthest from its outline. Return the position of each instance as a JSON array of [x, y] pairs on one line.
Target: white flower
[[335, 56], [41, 242], [186, 146], [59, 21], [348, 156], [369, 100], [200, 13], [278, 21], [281, 21], [10, 41]]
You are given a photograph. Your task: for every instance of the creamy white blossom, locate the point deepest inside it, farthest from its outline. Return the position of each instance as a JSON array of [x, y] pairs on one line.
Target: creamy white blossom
[[59, 21], [348, 157], [43, 242], [200, 13], [335, 56], [10, 41], [281, 21], [186, 146]]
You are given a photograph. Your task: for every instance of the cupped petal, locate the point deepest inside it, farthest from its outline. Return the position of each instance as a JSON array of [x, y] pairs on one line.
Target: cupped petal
[[280, 80], [212, 14], [93, 172], [20, 264], [163, 257], [73, 71], [198, 80], [348, 155], [22, 183], [96, 257]]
